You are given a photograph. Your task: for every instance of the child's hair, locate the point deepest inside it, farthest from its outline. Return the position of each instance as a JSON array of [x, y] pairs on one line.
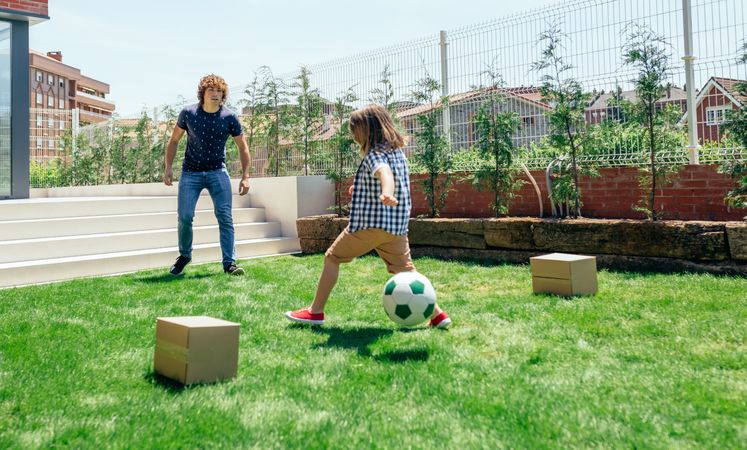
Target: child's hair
[[212, 81], [372, 125]]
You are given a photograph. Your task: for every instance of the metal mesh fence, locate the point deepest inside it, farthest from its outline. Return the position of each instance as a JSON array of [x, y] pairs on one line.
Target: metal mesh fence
[[594, 37]]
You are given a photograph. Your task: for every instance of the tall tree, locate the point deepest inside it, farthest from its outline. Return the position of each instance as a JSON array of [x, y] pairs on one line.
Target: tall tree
[[566, 116], [274, 103], [309, 112], [646, 51], [384, 93], [432, 148], [343, 148], [736, 127], [495, 131]]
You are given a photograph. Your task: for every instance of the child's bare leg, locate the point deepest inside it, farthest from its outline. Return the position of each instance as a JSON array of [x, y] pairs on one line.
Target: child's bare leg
[[436, 312], [327, 281]]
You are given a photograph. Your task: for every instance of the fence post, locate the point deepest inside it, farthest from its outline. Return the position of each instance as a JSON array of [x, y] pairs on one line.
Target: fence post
[[445, 87], [692, 123]]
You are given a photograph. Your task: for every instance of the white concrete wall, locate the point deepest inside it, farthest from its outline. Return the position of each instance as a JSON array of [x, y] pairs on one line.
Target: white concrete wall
[[285, 199]]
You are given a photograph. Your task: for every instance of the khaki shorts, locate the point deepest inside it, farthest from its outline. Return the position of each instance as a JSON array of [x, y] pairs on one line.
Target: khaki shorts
[[393, 249]]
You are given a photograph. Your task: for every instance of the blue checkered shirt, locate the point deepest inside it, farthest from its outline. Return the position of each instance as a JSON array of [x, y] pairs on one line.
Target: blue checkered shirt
[[367, 211]]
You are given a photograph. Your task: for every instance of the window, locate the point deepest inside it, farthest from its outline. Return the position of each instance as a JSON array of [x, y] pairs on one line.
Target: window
[[39, 76], [39, 121], [50, 79], [50, 144], [39, 142], [50, 123], [39, 98], [716, 115], [62, 82], [528, 121], [62, 124], [62, 104], [50, 101]]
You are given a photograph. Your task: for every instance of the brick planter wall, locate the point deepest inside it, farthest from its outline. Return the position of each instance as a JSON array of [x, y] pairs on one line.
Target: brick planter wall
[[38, 7], [696, 193]]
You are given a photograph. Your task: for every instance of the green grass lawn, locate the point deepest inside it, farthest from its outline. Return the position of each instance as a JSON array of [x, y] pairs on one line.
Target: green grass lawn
[[652, 361]]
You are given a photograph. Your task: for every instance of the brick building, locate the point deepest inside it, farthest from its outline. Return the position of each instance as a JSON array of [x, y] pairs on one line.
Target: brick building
[[55, 89]]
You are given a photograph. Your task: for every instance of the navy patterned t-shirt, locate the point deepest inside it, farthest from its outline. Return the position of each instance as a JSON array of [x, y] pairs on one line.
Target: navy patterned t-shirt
[[207, 134]]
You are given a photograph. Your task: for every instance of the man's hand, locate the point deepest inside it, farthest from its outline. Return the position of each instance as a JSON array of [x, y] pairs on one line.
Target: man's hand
[[350, 190], [168, 176], [244, 186], [388, 200]]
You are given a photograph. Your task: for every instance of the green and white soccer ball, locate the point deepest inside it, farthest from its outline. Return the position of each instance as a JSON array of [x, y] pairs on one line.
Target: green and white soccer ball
[[409, 298]]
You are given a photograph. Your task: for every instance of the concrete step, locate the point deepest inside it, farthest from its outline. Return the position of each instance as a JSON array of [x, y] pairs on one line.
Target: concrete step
[[57, 269], [58, 247], [55, 207], [77, 226]]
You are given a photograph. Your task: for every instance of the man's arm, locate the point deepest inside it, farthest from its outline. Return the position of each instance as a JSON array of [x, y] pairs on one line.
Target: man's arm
[[385, 176], [246, 160], [171, 147]]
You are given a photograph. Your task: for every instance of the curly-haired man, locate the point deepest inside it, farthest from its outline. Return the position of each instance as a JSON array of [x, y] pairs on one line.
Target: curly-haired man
[[208, 125]]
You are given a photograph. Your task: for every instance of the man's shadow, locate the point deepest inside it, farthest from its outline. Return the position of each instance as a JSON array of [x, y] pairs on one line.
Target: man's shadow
[[360, 340], [168, 278]]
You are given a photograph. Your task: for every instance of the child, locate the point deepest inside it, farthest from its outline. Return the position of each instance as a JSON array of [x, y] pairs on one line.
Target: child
[[379, 214]]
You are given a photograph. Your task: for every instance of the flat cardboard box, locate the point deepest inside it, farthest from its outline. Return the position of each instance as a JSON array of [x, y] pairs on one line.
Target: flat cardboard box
[[196, 349], [564, 274]]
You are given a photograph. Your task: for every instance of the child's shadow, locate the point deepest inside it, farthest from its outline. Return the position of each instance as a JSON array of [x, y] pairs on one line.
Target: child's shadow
[[352, 338], [360, 339]]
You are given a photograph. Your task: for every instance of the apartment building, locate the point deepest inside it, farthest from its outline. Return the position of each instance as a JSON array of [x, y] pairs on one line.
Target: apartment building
[[56, 89]]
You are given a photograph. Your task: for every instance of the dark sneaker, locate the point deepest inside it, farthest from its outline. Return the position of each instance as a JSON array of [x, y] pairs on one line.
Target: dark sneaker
[[305, 316], [440, 321], [233, 269], [179, 265]]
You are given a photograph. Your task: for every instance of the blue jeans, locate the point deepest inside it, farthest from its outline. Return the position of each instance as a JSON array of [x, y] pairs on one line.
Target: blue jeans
[[218, 185]]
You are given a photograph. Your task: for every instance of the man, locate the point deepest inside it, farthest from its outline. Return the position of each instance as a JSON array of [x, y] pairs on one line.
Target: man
[[208, 125]]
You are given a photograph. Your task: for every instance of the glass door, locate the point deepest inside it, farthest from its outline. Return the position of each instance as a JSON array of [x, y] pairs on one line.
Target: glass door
[[4, 109]]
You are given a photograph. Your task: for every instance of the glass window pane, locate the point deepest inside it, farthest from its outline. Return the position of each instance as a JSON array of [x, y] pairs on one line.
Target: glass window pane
[[4, 109]]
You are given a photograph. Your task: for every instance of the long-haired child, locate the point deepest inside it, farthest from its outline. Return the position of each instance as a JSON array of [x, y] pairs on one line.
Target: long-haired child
[[379, 214]]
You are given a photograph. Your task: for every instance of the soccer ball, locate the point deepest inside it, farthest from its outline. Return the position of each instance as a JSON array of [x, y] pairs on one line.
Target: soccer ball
[[409, 298]]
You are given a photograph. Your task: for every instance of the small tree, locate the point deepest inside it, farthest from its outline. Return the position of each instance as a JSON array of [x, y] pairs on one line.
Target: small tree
[[384, 94], [343, 148], [645, 50], [309, 113], [254, 118], [495, 131], [123, 162], [736, 128], [566, 117], [433, 150], [274, 103]]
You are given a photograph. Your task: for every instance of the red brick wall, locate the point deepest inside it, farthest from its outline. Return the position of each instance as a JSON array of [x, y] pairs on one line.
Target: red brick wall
[[38, 7], [696, 193]]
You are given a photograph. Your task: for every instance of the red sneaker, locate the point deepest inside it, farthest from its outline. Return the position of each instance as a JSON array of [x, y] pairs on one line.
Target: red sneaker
[[440, 321], [305, 316]]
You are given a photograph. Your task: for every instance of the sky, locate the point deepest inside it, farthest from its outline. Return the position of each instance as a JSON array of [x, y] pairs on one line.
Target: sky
[[152, 52]]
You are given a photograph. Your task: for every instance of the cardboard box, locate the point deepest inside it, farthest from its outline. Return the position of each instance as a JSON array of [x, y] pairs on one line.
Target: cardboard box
[[196, 349], [564, 274]]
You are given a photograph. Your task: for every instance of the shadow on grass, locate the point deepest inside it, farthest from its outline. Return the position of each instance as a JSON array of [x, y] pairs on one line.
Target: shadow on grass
[[358, 339], [167, 384], [403, 356], [168, 278]]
